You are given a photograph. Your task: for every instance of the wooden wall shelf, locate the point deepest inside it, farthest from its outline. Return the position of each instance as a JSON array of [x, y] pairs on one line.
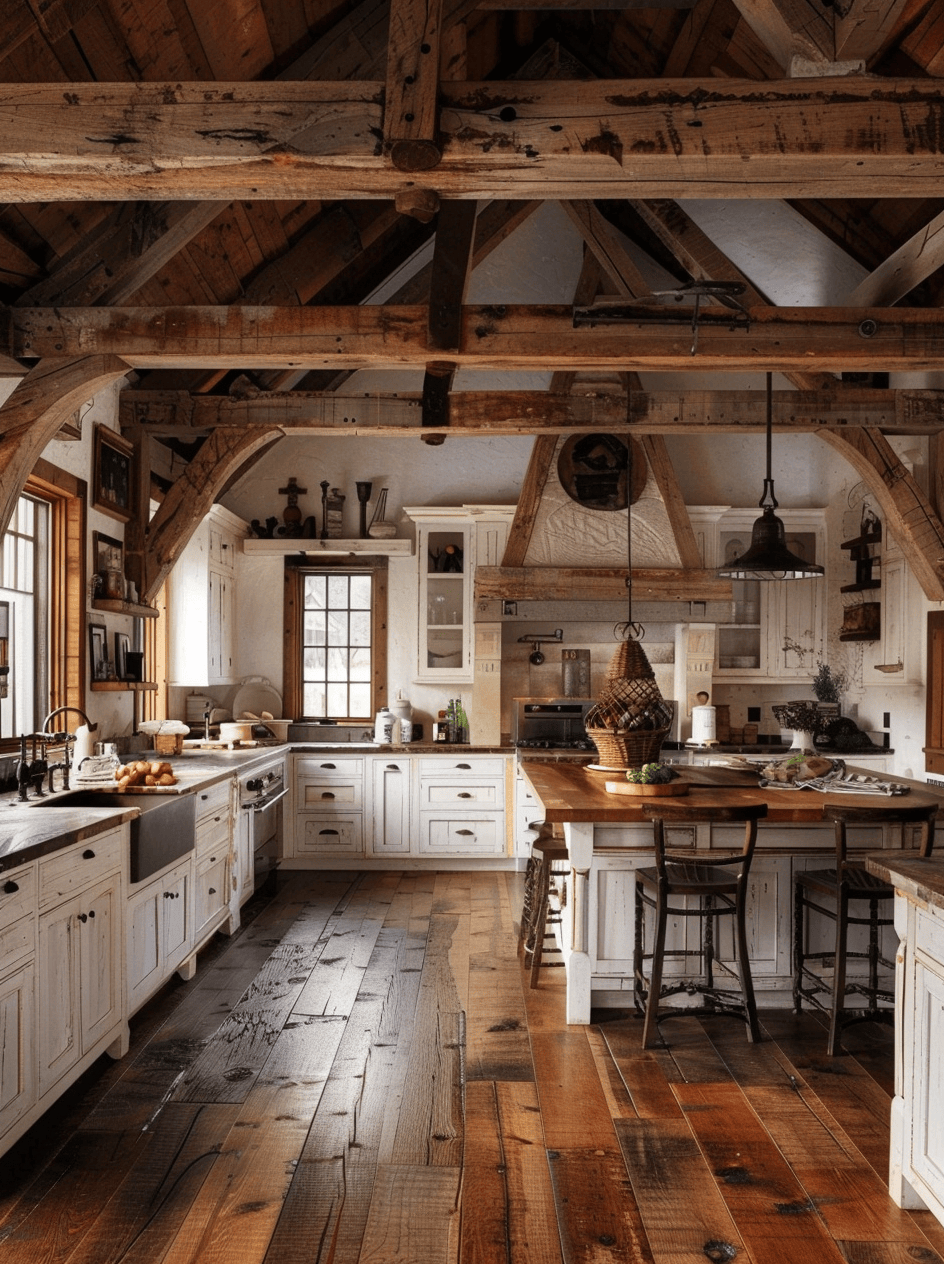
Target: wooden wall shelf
[[113, 686], [135, 609], [390, 548]]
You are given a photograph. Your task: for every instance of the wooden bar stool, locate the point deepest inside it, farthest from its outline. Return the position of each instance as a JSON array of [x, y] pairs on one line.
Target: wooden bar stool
[[537, 914], [849, 884], [718, 882]]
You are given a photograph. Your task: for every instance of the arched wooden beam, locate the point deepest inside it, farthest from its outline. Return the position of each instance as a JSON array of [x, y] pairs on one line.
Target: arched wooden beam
[[191, 496], [33, 415], [906, 509]]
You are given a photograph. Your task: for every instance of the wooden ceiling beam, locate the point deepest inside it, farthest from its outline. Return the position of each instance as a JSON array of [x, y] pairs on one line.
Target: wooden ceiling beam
[[493, 337], [905, 508], [39, 405], [913, 262], [191, 496], [862, 30], [790, 28], [540, 412], [605, 243], [561, 139]]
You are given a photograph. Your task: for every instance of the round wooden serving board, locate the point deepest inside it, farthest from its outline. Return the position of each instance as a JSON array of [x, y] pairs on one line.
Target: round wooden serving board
[[643, 789]]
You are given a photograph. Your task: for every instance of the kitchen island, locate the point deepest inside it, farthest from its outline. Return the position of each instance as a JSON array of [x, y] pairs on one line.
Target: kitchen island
[[608, 839], [916, 1161]]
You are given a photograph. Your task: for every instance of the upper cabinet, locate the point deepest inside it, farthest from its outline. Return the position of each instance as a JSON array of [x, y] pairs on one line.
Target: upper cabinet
[[202, 603], [450, 543], [777, 629]]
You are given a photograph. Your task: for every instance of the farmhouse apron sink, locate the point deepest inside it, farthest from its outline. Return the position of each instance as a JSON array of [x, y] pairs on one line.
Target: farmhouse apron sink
[[162, 832]]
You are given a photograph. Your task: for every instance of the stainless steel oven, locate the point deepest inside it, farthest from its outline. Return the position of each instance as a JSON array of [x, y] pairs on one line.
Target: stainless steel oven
[[260, 804], [551, 724]]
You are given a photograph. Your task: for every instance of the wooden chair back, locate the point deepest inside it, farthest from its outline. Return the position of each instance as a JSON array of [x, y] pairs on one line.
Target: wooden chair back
[[845, 814]]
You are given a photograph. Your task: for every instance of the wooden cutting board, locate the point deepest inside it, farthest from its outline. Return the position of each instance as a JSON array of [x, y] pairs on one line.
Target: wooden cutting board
[[642, 790]]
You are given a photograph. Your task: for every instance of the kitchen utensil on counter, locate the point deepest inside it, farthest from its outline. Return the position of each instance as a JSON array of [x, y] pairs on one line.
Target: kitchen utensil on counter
[[383, 725], [236, 731]]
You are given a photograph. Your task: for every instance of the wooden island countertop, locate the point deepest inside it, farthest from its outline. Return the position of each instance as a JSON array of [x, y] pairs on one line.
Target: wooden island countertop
[[575, 796], [573, 793]]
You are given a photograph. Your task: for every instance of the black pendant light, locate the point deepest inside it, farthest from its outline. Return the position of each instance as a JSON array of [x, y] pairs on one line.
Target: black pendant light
[[768, 556]]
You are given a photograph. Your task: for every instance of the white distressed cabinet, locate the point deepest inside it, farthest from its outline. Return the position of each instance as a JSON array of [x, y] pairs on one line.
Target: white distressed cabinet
[[213, 861], [329, 799], [450, 543], [159, 931], [461, 802], [18, 1088], [79, 963], [777, 630], [202, 603], [390, 806]]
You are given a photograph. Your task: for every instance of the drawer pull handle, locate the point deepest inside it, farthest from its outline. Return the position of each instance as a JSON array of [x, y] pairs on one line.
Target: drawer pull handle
[[465, 832], [327, 794], [212, 891], [91, 912], [464, 794], [328, 765], [320, 832], [393, 768], [10, 887], [212, 860], [463, 765], [83, 917], [88, 854]]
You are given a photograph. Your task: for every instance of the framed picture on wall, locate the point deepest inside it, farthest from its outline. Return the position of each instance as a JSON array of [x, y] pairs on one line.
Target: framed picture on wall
[[98, 651], [122, 646], [111, 474]]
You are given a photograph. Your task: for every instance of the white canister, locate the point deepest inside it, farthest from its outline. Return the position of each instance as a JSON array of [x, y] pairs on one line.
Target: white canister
[[703, 724], [383, 726], [403, 718]]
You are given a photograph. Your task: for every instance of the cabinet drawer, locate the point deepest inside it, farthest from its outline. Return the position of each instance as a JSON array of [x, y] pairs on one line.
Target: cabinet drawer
[[17, 894], [456, 835], [214, 800], [17, 940], [475, 793], [329, 835], [72, 870], [463, 765], [329, 766], [320, 793], [212, 837]]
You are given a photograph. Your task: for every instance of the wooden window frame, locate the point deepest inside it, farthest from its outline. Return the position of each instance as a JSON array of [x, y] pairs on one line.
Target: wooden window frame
[[66, 496], [295, 569]]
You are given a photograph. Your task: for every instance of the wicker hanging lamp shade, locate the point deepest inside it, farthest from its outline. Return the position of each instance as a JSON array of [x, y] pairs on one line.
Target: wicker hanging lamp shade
[[631, 719]]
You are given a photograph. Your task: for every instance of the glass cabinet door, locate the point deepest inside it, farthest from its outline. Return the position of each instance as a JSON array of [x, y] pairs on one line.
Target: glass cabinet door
[[445, 643]]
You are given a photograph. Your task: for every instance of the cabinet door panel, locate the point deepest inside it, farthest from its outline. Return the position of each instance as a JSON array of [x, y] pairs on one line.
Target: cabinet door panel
[[99, 960], [144, 942], [390, 807], [57, 989], [17, 1063], [177, 916], [927, 1136]]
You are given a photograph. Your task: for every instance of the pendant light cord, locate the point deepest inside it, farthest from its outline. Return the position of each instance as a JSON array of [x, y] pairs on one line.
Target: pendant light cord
[[629, 629], [768, 499]]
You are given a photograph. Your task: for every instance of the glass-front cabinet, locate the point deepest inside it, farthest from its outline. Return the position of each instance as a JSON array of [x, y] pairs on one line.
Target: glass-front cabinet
[[776, 630], [449, 543]]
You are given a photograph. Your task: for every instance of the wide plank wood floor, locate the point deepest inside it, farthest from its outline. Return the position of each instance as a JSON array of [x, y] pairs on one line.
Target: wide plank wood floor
[[361, 1074]]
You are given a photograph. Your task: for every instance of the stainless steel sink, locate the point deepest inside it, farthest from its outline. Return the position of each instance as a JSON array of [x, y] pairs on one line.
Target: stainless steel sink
[[163, 832]]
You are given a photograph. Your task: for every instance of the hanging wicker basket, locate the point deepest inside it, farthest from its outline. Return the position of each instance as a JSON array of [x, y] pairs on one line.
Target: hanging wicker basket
[[631, 719]]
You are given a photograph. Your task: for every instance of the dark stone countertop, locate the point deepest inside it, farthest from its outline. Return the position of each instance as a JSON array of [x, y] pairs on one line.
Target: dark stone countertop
[[36, 828]]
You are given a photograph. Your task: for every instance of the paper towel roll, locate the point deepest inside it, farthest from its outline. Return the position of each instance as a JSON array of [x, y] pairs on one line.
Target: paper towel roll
[[703, 724]]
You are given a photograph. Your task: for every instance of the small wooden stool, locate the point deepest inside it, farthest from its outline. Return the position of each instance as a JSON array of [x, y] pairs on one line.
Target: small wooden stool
[[849, 884], [719, 883], [537, 914]]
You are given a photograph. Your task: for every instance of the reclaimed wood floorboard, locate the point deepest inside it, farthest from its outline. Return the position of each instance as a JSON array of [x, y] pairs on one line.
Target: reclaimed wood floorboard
[[382, 1084]]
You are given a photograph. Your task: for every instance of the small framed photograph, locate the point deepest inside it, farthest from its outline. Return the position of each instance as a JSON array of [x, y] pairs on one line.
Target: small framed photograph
[[111, 475], [122, 646], [98, 651], [108, 561]]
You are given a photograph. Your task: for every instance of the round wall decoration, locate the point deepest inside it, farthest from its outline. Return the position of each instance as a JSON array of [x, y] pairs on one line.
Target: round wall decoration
[[593, 470]]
